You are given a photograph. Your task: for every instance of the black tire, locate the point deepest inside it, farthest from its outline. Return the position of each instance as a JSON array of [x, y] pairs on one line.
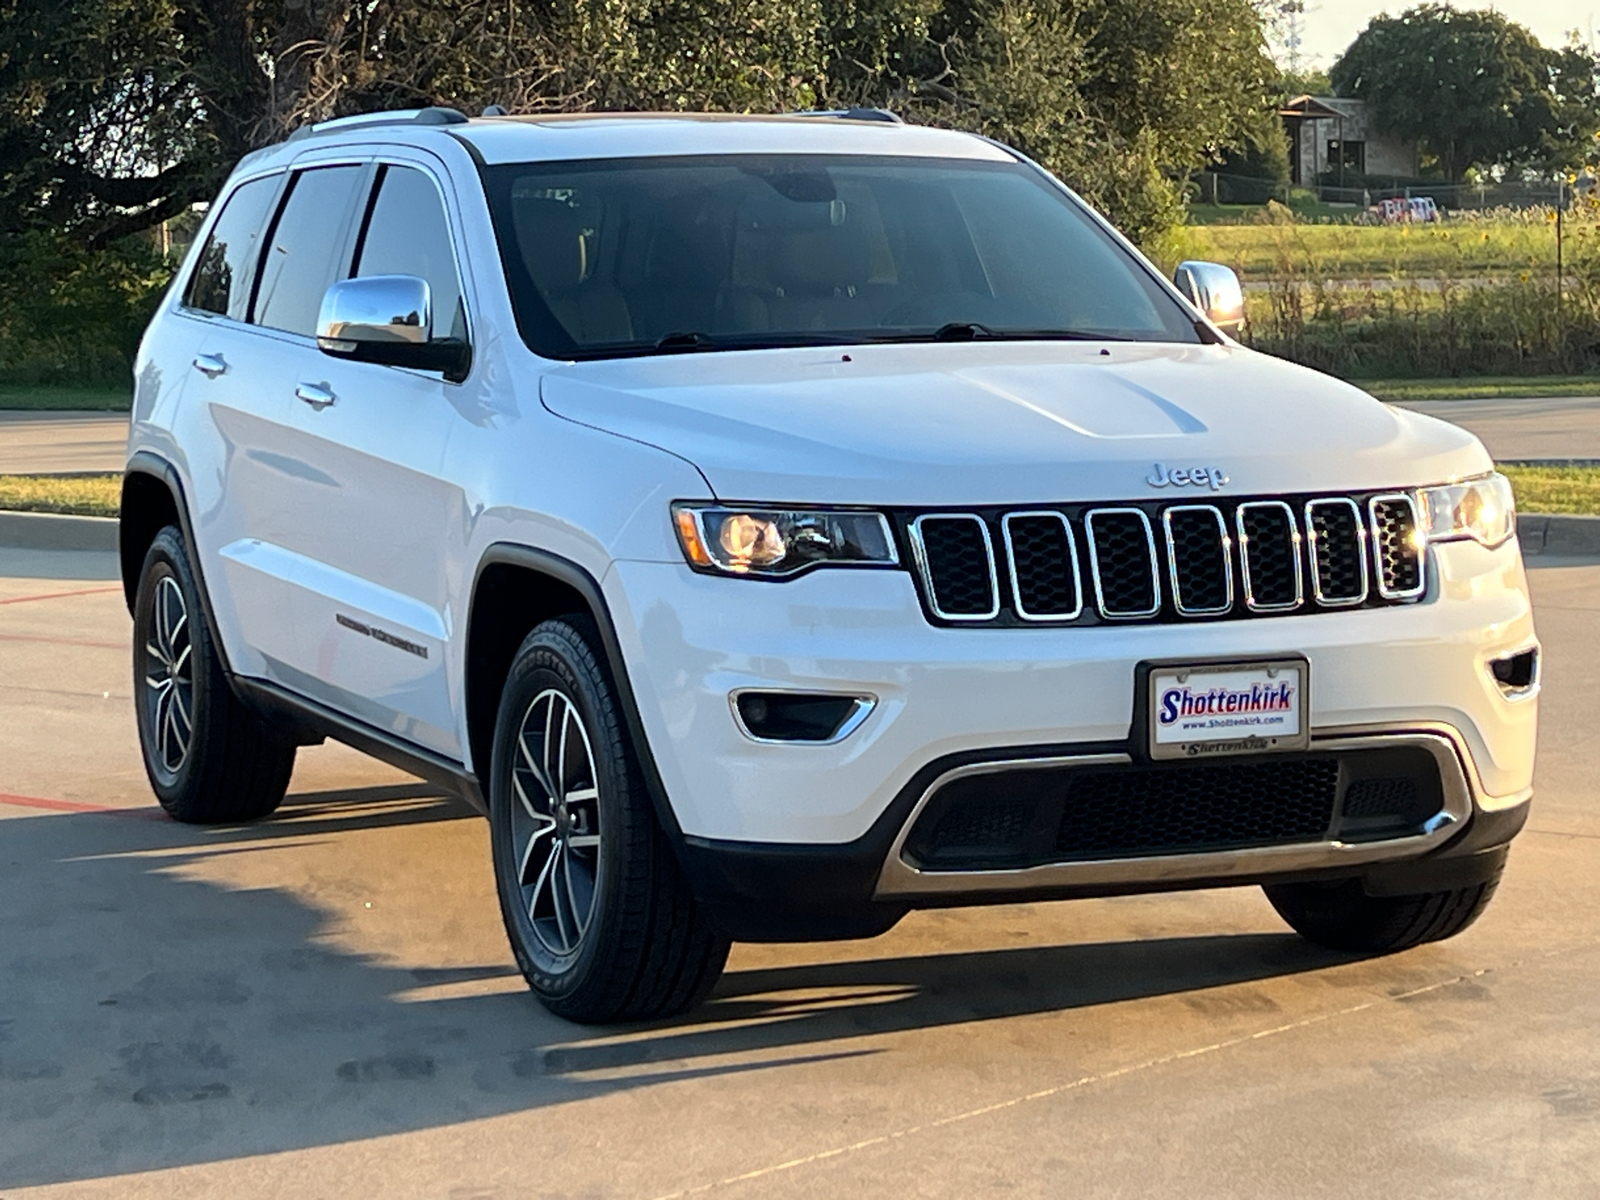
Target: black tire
[[1341, 916], [228, 765], [587, 842]]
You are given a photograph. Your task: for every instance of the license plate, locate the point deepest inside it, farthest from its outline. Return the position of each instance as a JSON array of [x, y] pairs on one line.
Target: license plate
[[1228, 708]]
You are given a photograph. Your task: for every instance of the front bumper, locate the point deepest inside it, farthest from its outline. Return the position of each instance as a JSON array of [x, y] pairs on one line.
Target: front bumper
[[821, 823]]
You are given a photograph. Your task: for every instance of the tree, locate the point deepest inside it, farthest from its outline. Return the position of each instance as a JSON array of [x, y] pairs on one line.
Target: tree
[[117, 114], [1474, 88]]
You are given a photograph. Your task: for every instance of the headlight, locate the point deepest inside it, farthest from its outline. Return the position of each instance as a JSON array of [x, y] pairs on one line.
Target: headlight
[[773, 543], [1481, 509]]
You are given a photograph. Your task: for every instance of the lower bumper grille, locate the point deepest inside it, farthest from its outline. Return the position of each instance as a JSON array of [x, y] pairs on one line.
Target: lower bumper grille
[[1023, 817]]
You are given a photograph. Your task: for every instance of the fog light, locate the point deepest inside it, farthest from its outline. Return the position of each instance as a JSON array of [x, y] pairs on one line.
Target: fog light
[[1518, 672], [799, 716]]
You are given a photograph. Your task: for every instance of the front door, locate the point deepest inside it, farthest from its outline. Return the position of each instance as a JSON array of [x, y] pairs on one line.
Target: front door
[[372, 529]]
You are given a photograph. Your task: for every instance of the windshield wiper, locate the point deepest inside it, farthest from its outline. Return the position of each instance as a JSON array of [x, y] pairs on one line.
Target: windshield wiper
[[962, 331], [972, 331], [681, 340]]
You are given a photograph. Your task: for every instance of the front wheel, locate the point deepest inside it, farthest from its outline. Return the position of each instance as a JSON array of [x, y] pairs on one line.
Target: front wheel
[[601, 920], [209, 758], [1341, 916]]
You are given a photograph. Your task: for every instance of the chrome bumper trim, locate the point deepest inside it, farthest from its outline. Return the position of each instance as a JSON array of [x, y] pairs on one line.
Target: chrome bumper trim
[[900, 880]]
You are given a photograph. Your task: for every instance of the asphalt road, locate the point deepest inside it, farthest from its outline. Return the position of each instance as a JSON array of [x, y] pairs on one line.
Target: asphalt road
[[324, 1004], [1568, 427], [33, 443]]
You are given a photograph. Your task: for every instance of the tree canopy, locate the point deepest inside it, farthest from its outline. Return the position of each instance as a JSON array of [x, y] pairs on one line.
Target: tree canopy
[[1475, 88], [117, 114]]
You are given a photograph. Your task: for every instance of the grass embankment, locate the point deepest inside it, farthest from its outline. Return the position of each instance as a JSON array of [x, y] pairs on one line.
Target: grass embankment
[[1461, 249], [50, 397], [1498, 387], [1538, 490], [79, 495], [1574, 490]]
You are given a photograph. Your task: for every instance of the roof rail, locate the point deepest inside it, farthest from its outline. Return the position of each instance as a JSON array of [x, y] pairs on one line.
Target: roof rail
[[435, 115], [853, 114]]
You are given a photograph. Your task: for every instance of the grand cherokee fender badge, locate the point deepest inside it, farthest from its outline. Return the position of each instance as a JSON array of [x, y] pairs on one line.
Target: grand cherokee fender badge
[[1211, 477]]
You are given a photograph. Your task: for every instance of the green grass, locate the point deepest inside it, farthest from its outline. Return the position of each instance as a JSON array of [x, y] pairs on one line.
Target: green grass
[[1482, 388], [80, 495], [1556, 489], [1453, 249], [51, 397]]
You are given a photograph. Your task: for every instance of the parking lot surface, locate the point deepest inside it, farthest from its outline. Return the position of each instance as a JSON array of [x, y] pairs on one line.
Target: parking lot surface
[[324, 1004]]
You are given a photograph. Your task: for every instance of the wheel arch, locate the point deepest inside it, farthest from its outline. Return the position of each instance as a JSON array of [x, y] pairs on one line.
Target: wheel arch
[[515, 589], [152, 499]]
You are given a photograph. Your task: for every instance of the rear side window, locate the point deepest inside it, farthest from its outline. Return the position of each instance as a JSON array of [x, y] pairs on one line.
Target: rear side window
[[221, 281], [303, 253], [408, 234]]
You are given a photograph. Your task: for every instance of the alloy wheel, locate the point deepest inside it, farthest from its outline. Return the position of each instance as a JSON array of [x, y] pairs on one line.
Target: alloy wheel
[[555, 822], [169, 681]]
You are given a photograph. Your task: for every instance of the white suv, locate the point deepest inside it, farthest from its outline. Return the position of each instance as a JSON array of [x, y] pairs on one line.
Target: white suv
[[777, 524]]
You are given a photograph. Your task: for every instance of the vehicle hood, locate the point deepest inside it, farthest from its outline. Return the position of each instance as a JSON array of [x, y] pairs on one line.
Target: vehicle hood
[[1007, 423]]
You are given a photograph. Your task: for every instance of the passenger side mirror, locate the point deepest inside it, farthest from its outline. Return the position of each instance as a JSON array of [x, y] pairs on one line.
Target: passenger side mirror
[[1215, 290], [387, 319]]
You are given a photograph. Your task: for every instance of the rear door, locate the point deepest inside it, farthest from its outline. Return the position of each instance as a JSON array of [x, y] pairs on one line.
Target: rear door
[[371, 529]]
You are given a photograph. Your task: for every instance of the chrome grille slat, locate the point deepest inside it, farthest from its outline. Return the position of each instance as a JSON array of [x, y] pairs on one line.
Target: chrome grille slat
[[1395, 547], [1338, 542], [959, 589], [1191, 555], [1122, 562], [1040, 584], [1269, 558]]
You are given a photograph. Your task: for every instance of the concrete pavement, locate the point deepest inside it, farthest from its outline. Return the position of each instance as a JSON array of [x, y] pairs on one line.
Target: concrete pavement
[[1554, 427], [324, 1004]]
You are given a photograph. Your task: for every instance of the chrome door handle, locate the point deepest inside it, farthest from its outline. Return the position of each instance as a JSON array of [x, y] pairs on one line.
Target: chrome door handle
[[210, 365], [318, 395]]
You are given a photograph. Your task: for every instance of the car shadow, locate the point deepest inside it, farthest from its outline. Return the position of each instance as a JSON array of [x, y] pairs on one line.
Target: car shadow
[[173, 995]]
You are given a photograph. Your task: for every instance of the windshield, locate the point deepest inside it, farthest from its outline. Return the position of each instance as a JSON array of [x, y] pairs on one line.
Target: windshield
[[661, 255]]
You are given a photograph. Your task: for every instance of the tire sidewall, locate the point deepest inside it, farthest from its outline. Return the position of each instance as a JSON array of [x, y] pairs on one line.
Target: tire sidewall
[[547, 660], [168, 558]]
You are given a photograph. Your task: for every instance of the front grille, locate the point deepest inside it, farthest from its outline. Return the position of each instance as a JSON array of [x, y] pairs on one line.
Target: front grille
[[1152, 562], [1020, 816]]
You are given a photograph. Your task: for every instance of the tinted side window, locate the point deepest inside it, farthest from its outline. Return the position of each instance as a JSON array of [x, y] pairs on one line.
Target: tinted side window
[[221, 279], [303, 254], [408, 234]]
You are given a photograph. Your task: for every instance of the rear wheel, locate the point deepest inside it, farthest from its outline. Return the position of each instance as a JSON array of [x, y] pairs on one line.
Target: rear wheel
[[209, 758], [1341, 916], [600, 917]]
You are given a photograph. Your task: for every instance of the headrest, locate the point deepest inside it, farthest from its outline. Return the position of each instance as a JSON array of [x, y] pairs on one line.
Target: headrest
[[550, 235], [801, 247]]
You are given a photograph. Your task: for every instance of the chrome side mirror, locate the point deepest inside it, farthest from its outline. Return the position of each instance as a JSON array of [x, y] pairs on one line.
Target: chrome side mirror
[[387, 319], [1215, 290]]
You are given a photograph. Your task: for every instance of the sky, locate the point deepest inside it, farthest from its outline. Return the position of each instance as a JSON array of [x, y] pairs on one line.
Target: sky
[[1331, 25]]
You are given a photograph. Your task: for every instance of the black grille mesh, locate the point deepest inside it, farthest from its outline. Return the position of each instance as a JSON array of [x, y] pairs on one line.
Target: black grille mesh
[[1269, 554], [1123, 554], [958, 565], [1199, 560], [1118, 813], [1394, 527], [1336, 550], [1046, 569]]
